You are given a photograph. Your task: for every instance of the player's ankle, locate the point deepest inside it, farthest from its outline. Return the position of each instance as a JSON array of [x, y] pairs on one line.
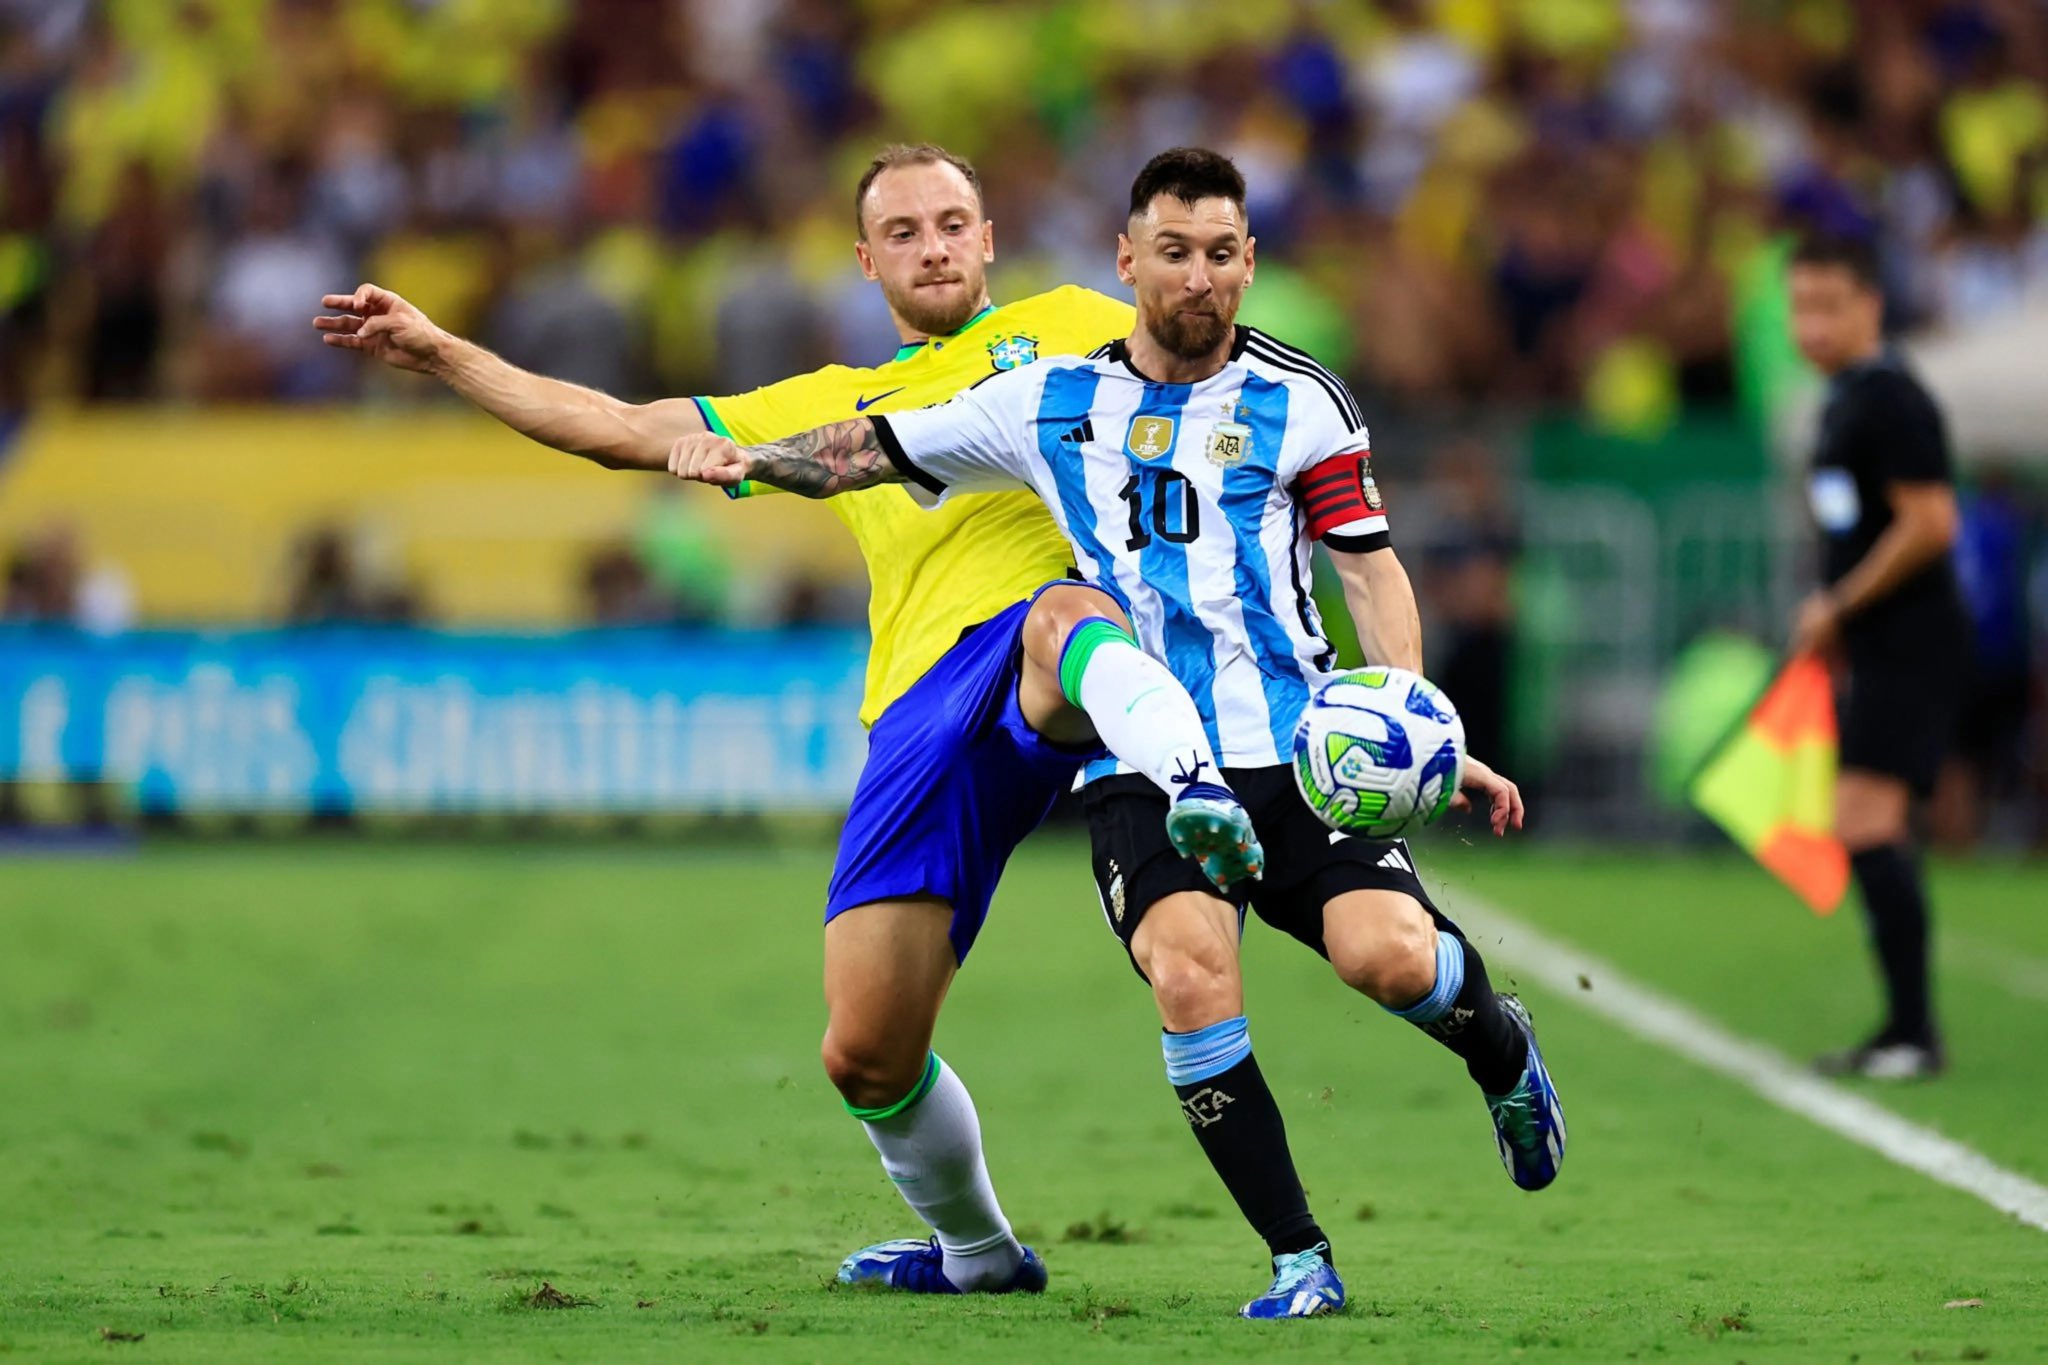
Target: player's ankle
[[985, 1267], [1205, 791]]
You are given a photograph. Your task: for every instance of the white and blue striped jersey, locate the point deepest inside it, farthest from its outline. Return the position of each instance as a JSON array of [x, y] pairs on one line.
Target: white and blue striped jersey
[[1192, 504]]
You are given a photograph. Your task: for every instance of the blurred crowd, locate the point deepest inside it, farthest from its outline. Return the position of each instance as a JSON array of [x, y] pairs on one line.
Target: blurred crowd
[[1527, 199], [1465, 206]]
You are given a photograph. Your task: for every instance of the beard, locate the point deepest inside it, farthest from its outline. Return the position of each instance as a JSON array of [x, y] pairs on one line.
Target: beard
[[936, 313], [1190, 336]]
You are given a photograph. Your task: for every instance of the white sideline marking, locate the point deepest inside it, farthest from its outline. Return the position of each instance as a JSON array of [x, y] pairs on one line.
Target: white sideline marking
[[2022, 975], [1652, 1015]]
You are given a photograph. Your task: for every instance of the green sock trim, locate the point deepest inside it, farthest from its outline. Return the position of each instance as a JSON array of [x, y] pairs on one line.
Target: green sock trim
[[1088, 637], [917, 1092]]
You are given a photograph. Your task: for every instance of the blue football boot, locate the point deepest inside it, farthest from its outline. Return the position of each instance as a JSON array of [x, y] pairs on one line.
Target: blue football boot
[[1209, 824], [919, 1267], [1528, 1121], [1304, 1286]]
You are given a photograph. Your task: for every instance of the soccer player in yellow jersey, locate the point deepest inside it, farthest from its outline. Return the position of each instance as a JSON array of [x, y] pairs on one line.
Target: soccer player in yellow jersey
[[978, 647]]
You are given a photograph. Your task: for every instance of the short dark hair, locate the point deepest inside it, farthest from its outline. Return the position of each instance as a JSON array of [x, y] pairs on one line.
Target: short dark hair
[[1188, 174], [908, 154], [1857, 255]]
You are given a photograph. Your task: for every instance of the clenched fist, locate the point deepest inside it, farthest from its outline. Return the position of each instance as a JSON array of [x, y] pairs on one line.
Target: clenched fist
[[705, 457]]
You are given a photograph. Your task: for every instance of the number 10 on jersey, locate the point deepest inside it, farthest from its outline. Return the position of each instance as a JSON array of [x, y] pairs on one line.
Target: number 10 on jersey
[[1176, 511]]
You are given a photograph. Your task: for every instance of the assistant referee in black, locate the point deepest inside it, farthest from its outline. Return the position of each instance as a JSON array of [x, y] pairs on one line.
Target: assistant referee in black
[[1888, 616]]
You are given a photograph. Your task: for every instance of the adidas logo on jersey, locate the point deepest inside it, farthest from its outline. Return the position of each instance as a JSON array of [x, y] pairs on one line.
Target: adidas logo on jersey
[[1396, 859], [1080, 435]]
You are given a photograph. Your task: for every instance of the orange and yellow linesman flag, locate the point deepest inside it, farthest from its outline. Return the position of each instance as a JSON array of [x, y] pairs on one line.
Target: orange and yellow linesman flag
[[1771, 785]]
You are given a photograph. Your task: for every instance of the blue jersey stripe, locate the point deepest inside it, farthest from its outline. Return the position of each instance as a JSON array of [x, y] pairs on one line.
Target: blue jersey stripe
[[1063, 406], [1246, 490], [1189, 647]]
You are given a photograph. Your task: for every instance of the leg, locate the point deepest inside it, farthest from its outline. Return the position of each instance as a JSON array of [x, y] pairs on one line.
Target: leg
[[1050, 624], [1186, 946], [1360, 904], [1183, 941], [888, 965], [954, 781], [1871, 811], [1956, 814], [1883, 767], [1384, 945], [1084, 677]]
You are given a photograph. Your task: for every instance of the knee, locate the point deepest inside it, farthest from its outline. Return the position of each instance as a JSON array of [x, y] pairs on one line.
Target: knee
[[1860, 830], [870, 1072], [1195, 984], [1868, 818], [1045, 635], [1058, 612], [1392, 961]]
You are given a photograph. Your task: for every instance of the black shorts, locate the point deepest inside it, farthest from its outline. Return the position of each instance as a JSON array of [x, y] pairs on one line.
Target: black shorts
[[1898, 718], [1307, 864]]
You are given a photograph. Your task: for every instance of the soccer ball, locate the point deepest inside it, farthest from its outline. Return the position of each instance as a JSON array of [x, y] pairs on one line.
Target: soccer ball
[[1379, 752]]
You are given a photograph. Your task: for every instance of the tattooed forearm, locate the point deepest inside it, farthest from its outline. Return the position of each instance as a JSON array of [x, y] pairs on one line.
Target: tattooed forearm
[[821, 463]]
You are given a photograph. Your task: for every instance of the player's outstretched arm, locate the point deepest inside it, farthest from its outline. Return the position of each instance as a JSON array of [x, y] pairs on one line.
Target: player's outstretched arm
[[817, 464], [569, 417]]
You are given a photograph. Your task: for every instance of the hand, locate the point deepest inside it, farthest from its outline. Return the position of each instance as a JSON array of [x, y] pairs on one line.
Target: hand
[[382, 324], [705, 457], [1817, 629], [1503, 797]]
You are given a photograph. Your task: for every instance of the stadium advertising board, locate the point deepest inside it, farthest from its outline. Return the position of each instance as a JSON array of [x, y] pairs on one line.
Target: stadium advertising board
[[360, 721]]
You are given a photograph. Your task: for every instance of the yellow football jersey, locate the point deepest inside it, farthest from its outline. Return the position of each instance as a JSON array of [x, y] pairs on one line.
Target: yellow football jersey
[[932, 574]]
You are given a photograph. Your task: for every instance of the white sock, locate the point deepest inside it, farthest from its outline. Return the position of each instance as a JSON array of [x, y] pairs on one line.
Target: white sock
[[932, 1151], [1143, 714]]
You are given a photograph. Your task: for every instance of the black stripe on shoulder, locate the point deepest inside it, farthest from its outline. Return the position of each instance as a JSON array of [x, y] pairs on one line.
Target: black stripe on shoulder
[[1281, 357], [1280, 347], [1287, 358], [1101, 352], [892, 448]]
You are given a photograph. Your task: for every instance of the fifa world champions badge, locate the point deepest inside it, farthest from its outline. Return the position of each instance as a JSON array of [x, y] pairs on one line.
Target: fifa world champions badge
[[1367, 486], [1230, 443], [1149, 437], [1007, 353]]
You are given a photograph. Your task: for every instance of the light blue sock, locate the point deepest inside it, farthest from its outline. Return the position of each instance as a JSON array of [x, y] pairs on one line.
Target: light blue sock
[[1450, 979], [1207, 1052]]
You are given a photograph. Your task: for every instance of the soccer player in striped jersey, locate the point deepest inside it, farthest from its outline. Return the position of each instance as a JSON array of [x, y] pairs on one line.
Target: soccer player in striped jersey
[[1190, 465], [971, 737]]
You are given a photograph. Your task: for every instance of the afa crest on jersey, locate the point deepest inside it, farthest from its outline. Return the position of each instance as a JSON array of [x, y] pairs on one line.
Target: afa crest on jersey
[[1007, 353], [1229, 444]]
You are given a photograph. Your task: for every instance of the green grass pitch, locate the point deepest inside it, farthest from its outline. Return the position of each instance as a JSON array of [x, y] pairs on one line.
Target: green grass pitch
[[361, 1102]]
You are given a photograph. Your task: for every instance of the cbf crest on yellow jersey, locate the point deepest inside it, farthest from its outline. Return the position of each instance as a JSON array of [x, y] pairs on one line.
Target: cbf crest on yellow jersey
[[932, 574]]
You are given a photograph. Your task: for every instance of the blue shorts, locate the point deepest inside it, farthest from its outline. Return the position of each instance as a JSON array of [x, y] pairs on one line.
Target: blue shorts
[[954, 780]]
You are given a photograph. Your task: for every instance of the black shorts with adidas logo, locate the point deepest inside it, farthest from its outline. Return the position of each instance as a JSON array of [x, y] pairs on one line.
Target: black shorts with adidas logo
[[1307, 864]]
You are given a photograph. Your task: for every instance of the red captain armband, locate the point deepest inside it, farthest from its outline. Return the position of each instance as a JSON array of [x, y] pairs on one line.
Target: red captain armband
[[1345, 508]]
